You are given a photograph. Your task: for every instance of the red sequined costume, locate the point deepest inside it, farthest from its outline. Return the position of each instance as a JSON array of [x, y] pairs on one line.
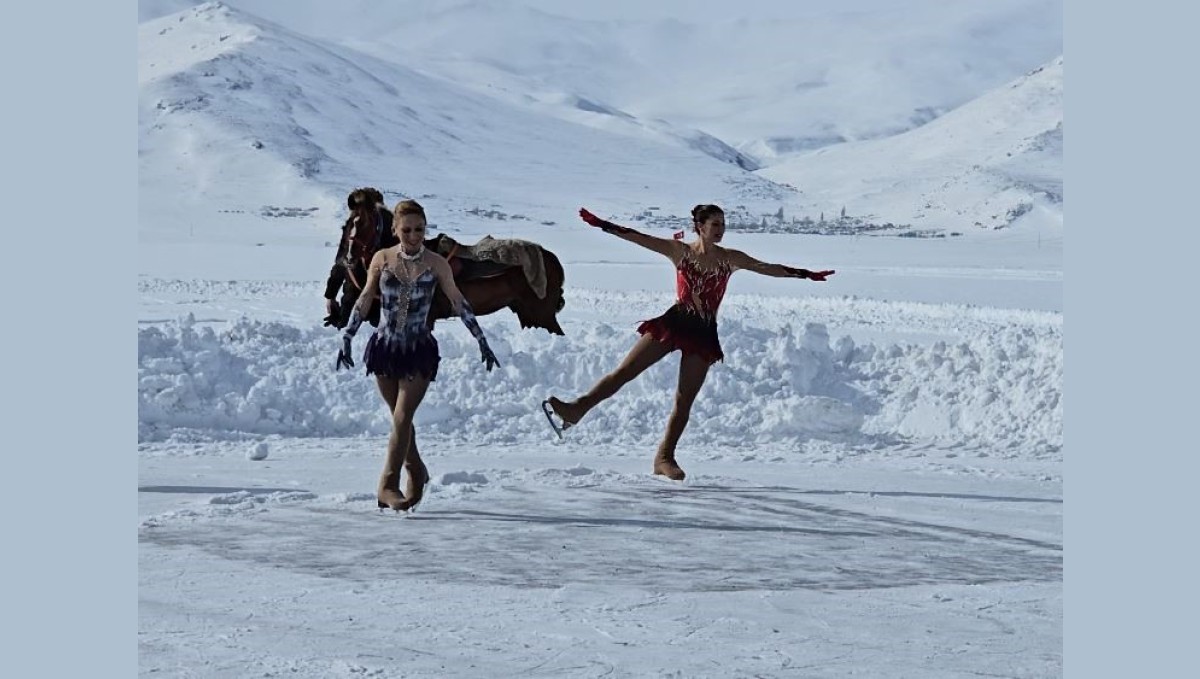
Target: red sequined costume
[[691, 324]]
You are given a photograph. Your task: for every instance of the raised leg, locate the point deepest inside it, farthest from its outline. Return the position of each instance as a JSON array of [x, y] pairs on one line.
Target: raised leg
[[645, 352]]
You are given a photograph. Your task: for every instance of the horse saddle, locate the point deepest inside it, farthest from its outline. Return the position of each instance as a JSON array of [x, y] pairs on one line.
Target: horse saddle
[[472, 269], [491, 257]]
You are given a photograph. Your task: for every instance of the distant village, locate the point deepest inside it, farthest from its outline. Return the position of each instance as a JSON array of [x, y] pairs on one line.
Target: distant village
[[738, 218]]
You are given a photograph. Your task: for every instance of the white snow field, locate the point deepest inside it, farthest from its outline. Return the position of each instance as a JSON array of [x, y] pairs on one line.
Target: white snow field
[[874, 472]]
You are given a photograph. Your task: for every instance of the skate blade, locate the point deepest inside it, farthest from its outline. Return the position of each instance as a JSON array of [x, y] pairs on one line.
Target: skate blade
[[549, 413]]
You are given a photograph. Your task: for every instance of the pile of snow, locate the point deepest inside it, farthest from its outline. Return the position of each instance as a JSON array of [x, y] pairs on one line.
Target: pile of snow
[[780, 385], [258, 451]]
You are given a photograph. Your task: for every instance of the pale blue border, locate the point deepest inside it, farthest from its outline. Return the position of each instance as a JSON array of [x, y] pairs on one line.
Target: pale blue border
[[1131, 263], [69, 440]]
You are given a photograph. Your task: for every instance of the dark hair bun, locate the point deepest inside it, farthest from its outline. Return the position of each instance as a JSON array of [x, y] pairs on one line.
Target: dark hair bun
[[701, 213]]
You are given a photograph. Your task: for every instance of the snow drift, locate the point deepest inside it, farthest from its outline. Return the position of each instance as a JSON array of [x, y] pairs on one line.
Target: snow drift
[[781, 386]]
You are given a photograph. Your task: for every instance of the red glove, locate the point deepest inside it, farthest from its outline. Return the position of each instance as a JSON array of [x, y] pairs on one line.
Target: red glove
[[591, 218], [604, 225], [816, 275]]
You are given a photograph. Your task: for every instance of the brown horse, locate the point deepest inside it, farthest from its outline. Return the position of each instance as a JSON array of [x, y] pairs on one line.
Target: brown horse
[[491, 286]]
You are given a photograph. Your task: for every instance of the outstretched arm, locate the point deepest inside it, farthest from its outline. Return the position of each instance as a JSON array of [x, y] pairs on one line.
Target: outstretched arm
[[741, 260], [669, 248], [460, 305], [369, 292]]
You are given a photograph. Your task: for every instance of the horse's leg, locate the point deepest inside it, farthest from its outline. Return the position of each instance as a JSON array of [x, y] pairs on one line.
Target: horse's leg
[[554, 302], [521, 299]]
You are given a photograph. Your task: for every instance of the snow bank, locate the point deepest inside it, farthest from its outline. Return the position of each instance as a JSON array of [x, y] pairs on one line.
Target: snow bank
[[1000, 390]]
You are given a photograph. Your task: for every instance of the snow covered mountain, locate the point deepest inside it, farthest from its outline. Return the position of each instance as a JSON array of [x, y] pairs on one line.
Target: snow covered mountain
[[992, 163], [511, 108], [229, 103], [769, 78]]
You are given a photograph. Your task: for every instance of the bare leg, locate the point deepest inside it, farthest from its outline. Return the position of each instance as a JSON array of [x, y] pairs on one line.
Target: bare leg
[[692, 371], [645, 352], [388, 492], [408, 396], [390, 390], [412, 392], [417, 475]]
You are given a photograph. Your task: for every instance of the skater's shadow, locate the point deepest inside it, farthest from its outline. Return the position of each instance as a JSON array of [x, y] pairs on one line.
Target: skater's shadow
[[216, 490], [582, 521], [882, 493]]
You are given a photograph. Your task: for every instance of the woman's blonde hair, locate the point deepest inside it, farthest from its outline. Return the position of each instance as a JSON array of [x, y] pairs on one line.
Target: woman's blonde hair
[[409, 207]]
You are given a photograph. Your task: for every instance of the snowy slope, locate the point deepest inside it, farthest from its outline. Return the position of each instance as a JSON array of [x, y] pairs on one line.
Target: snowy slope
[[506, 93], [770, 78], [229, 103], [992, 163]]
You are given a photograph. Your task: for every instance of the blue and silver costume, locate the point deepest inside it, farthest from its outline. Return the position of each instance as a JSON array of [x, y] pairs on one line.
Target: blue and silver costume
[[403, 345]]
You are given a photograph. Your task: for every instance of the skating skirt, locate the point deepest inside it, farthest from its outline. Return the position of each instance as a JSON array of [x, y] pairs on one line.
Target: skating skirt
[[687, 331], [402, 360]]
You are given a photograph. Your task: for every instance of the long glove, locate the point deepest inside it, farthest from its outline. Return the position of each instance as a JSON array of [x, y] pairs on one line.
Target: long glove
[[815, 275], [344, 359], [592, 219], [602, 224], [489, 358], [468, 318]]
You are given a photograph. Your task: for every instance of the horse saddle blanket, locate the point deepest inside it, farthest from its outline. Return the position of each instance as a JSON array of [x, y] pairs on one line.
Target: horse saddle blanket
[[506, 251]]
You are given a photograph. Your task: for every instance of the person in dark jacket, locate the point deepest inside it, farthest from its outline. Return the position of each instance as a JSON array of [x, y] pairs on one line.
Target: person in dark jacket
[[367, 230]]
